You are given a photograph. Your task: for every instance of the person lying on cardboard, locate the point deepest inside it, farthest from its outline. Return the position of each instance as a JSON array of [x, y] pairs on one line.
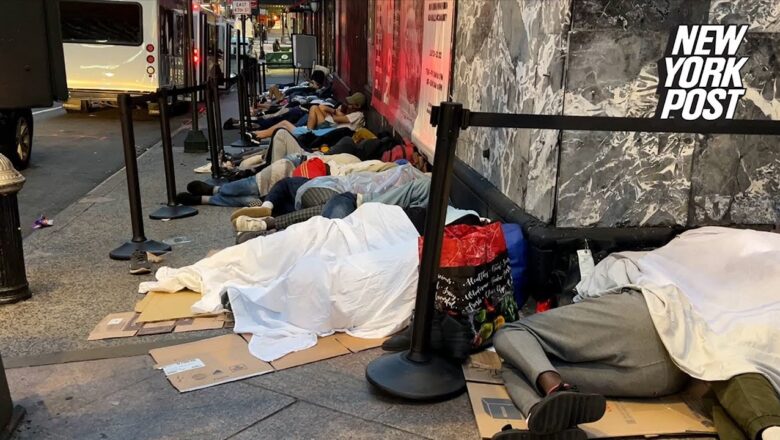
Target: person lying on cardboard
[[707, 305]]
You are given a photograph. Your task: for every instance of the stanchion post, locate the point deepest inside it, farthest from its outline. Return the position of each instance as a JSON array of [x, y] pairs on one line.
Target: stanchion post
[[139, 241], [218, 118], [195, 141], [171, 210], [264, 86], [243, 111], [420, 374], [216, 166]]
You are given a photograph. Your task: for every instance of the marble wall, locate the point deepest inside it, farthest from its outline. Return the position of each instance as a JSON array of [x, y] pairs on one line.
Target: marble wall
[[599, 57]]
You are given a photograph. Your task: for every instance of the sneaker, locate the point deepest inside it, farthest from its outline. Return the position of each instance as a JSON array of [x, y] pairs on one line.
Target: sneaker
[[139, 264], [249, 224], [508, 433], [200, 188], [565, 408], [187, 199], [253, 211]]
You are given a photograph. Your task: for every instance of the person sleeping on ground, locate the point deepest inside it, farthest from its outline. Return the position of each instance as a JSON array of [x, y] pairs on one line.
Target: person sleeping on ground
[[322, 119], [706, 306]]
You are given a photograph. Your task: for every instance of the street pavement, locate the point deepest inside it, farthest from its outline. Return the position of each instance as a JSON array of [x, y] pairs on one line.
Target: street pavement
[[73, 152]]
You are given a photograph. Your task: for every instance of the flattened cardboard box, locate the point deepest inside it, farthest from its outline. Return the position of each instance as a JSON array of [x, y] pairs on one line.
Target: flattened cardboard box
[[326, 348], [493, 409], [116, 325], [208, 362]]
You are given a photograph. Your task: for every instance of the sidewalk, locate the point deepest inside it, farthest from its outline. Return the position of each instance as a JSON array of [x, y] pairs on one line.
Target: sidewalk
[[119, 395]]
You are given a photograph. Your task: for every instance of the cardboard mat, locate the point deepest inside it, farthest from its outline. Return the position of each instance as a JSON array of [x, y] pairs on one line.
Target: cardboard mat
[[214, 361], [493, 409]]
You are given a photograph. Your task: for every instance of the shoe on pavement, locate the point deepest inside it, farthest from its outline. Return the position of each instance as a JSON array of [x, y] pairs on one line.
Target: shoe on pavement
[[187, 199], [508, 433], [565, 408], [252, 211], [200, 188], [249, 224], [139, 264]]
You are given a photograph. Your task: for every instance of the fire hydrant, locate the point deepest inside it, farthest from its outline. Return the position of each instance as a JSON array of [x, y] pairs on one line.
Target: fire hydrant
[[13, 277]]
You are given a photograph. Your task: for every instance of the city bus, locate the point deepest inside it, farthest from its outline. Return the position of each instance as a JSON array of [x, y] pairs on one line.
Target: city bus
[[131, 46]]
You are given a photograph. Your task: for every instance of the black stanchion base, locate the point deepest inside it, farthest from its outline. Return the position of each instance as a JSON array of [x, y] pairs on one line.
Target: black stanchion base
[[126, 250], [196, 142], [15, 294], [437, 379], [174, 212], [17, 414], [242, 143]]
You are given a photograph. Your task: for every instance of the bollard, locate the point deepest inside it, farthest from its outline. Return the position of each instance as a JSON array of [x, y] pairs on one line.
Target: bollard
[[211, 118], [139, 241], [420, 374], [243, 111], [263, 85], [13, 278], [171, 210]]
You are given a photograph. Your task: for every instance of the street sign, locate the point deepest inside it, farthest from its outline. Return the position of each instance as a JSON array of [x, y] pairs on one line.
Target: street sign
[[242, 7]]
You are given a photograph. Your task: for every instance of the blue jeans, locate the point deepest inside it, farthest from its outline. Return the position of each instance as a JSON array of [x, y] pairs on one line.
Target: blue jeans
[[340, 206], [237, 194]]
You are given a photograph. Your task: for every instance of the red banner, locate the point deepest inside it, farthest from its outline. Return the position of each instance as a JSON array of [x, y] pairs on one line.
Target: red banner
[[383, 51]]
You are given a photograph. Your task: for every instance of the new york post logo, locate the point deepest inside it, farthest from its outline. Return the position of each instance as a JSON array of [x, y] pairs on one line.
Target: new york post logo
[[700, 75]]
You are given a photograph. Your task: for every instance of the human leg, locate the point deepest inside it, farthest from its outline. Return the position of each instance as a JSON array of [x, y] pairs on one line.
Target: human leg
[[236, 194], [316, 197], [340, 206], [283, 144], [751, 401], [268, 132], [281, 197], [316, 117]]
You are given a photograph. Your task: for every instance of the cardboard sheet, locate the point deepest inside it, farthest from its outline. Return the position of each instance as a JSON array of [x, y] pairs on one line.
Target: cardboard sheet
[[483, 367], [196, 324], [208, 362], [156, 328], [326, 348], [355, 345], [167, 306], [493, 409], [141, 305], [116, 325]]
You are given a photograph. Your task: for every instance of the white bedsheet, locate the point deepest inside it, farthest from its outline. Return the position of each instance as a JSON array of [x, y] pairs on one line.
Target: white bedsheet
[[714, 297], [357, 275]]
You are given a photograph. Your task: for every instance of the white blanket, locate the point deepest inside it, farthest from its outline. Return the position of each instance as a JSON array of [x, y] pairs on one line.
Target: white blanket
[[714, 297], [357, 275]]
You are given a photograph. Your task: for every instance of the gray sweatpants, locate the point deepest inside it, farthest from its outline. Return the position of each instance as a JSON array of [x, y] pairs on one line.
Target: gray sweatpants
[[606, 345]]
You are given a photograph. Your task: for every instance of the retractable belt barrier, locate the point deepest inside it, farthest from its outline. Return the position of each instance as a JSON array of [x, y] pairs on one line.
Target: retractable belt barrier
[[419, 373], [171, 210]]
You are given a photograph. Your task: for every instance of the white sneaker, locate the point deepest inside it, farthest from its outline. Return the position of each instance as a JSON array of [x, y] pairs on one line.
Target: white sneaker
[[245, 223], [771, 433]]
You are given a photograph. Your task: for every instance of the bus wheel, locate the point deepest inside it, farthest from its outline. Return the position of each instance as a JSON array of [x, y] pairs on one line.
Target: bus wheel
[[16, 135]]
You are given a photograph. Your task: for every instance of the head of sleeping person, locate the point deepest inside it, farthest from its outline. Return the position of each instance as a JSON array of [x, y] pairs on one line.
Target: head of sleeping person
[[317, 79], [355, 102]]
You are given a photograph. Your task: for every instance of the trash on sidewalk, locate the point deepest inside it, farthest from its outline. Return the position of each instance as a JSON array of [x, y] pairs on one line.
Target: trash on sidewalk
[[42, 222], [209, 362], [156, 328], [173, 241], [493, 408]]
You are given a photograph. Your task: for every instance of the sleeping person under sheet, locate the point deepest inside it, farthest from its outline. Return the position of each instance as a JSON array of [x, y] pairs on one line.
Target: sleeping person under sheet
[[706, 305], [357, 275]]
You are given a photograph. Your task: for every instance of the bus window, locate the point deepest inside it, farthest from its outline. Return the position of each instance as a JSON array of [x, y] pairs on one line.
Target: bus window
[[101, 22]]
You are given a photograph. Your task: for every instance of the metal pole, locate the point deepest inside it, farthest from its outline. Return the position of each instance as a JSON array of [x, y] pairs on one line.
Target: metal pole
[[243, 111], [195, 141], [216, 167], [420, 374], [172, 210], [139, 241], [218, 117]]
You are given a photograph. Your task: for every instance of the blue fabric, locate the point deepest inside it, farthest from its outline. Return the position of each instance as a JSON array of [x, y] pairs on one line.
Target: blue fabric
[[340, 206], [237, 194], [516, 250]]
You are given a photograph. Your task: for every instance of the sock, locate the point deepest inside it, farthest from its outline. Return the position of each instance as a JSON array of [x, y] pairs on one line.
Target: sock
[[268, 205], [359, 200], [216, 190], [204, 200], [771, 433]]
